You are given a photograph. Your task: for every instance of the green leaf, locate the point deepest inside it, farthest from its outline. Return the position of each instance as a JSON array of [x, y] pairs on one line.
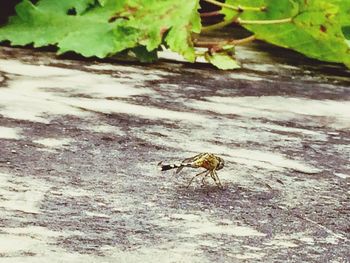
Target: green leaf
[[176, 20], [222, 60], [315, 29], [105, 27], [87, 32]]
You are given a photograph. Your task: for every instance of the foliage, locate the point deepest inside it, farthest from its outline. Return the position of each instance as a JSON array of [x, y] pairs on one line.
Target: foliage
[[101, 28], [316, 27], [106, 27]]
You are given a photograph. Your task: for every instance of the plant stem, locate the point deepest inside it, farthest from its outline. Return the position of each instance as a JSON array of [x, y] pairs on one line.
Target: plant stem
[[209, 14], [211, 44], [246, 22], [236, 8], [208, 44], [263, 22], [241, 41], [217, 25]]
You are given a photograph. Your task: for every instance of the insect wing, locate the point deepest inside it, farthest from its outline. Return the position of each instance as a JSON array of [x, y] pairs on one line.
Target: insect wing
[[187, 161]]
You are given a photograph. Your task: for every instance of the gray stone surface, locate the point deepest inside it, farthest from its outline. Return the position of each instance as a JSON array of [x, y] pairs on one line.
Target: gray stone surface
[[80, 141]]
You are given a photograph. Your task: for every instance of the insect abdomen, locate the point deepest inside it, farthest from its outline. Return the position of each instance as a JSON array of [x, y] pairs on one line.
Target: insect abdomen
[[166, 167]]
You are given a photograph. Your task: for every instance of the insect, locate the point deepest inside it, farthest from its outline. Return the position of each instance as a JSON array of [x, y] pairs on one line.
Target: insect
[[210, 162]]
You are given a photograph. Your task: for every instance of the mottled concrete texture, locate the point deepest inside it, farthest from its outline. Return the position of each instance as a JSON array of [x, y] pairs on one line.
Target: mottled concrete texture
[[80, 141]]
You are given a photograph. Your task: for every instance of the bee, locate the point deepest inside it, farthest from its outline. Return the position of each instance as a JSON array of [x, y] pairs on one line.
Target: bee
[[210, 162]]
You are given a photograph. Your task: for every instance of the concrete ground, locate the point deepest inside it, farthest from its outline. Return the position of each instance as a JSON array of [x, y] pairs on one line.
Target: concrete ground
[[80, 141]]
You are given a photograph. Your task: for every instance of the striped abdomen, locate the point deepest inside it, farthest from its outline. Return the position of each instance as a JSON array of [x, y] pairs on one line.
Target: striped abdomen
[[165, 167]]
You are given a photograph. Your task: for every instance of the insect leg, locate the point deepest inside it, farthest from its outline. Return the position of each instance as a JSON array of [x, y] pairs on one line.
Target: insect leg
[[216, 179], [204, 183], [207, 172]]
